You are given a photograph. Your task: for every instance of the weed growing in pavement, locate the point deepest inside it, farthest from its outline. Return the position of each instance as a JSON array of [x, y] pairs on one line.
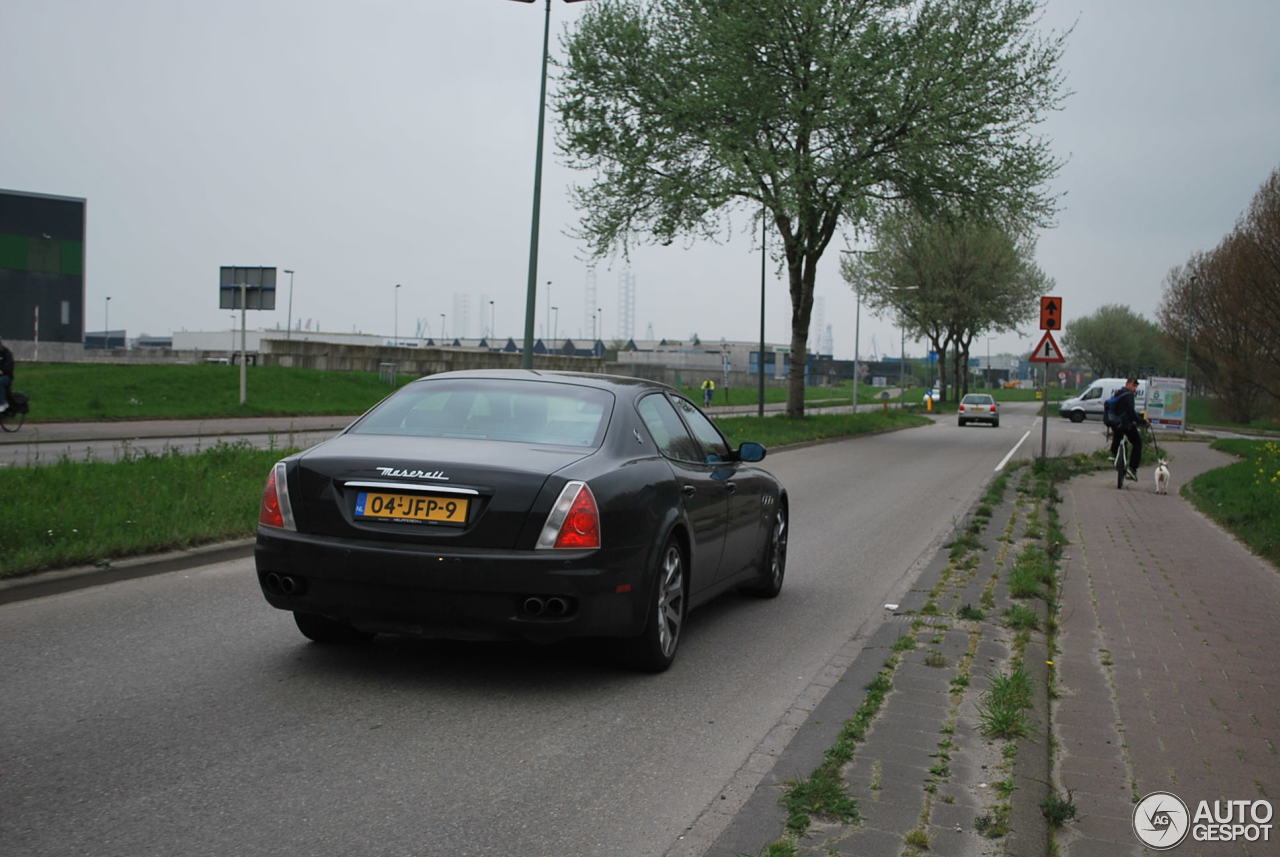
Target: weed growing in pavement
[[1032, 570], [822, 793], [1058, 810], [904, 643], [779, 849], [1003, 710], [993, 824], [1021, 618], [971, 614], [963, 545], [917, 838]]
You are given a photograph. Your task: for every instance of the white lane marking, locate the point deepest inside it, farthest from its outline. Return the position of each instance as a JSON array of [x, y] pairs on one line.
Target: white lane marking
[[1005, 460]]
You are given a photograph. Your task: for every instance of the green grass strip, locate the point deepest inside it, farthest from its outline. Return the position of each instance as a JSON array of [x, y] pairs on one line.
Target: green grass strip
[[1244, 497], [74, 513], [823, 792], [779, 430]]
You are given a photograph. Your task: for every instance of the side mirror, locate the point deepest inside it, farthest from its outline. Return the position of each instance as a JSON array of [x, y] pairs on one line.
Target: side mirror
[[750, 451]]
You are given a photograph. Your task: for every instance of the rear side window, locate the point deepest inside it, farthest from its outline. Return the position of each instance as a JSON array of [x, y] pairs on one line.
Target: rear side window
[[491, 409], [708, 436], [668, 432]]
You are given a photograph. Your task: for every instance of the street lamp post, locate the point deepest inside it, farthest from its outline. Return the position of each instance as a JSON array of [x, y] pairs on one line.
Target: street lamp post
[[288, 331], [857, 324], [546, 324], [395, 329], [442, 333], [492, 328], [555, 329], [106, 323], [531, 290], [764, 238]]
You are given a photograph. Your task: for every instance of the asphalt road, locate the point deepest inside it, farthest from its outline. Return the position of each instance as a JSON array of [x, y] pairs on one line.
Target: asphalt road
[[180, 714]]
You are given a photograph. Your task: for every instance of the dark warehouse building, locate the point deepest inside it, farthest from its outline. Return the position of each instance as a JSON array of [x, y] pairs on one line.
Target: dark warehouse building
[[41, 268]]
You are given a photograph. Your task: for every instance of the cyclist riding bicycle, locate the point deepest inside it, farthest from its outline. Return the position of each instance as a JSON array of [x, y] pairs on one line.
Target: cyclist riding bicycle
[[1122, 417], [6, 376]]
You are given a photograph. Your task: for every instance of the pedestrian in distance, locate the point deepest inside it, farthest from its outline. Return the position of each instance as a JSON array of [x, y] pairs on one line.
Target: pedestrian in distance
[[708, 391], [1127, 422], [6, 376]]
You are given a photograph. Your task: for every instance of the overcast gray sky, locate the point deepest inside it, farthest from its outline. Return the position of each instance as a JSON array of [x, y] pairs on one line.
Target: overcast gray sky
[[370, 143]]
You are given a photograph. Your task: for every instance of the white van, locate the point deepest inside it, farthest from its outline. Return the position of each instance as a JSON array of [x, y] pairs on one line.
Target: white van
[[1088, 404]]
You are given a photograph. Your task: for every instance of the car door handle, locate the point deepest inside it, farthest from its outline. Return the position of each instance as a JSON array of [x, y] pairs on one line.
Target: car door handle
[[688, 490], [732, 486]]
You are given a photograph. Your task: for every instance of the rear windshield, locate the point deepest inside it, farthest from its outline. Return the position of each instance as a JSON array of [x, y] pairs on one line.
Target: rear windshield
[[977, 399], [490, 409]]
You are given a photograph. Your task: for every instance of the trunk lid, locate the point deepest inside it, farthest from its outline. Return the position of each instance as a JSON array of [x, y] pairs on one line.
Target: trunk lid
[[400, 489]]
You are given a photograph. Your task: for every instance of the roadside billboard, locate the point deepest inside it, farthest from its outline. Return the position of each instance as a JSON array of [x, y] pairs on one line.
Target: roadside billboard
[[1167, 403]]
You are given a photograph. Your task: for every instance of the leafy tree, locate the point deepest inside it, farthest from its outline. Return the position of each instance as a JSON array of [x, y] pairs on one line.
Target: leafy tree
[[949, 278], [1222, 310], [1117, 342], [807, 113]]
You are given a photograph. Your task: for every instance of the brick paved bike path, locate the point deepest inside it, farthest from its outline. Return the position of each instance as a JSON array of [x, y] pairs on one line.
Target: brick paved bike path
[[1169, 661]]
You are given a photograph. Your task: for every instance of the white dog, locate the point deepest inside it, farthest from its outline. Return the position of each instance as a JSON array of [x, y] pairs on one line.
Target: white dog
[[1162, 476]]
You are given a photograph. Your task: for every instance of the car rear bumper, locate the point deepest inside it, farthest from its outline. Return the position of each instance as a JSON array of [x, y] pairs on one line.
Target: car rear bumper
[[541, 596]]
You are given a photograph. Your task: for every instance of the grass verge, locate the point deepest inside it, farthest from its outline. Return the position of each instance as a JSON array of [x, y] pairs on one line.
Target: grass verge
[[1244, 497], [96, 392], [76, 513], [780, 431]]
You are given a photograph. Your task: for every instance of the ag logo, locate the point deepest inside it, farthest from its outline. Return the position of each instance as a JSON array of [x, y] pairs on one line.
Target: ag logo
[[1161, 820]]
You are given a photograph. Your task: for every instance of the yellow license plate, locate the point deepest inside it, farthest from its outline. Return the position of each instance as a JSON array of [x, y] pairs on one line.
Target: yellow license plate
[[412, 507]]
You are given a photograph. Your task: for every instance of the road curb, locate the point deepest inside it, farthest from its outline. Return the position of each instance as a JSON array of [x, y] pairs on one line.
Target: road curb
[[70, 579]]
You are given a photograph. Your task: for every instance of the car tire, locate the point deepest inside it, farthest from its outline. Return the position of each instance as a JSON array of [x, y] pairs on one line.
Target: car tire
[[960, 423], [655, 649], [773, 562], [1077, 416], [995, 423], [321, 629]]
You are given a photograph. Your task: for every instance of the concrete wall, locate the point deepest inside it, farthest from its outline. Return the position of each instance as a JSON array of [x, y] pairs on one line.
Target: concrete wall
[[330, 356], [75, 352], [412, 362]]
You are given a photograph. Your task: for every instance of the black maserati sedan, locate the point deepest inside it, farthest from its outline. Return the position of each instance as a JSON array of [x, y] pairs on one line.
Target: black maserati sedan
[[526, 505]]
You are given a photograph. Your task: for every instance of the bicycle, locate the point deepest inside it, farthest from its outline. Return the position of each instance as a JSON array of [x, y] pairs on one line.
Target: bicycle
[[1122, 452], [12, 418]]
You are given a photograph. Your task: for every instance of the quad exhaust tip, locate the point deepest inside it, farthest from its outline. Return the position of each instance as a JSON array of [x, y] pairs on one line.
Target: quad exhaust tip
[[284, 584], [546, 606]]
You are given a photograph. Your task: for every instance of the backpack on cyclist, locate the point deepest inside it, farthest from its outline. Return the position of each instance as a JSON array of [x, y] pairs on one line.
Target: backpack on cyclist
[[18, 403], [1110, 412]]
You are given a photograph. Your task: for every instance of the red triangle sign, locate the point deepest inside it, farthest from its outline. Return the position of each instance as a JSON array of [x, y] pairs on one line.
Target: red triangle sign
[[1047, 351]]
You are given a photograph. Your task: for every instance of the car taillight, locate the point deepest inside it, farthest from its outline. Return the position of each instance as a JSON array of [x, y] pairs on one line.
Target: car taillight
[[574, 522], [276, 511], [993, 409]]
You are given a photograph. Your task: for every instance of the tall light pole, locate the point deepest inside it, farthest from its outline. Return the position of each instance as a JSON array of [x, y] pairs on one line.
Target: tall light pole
[[288, 331], [555, 330], [395, 330], [106, 323], [442, 320], [492, 329], [546, 325], [764, 237], [531, 289], [857, 325]]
